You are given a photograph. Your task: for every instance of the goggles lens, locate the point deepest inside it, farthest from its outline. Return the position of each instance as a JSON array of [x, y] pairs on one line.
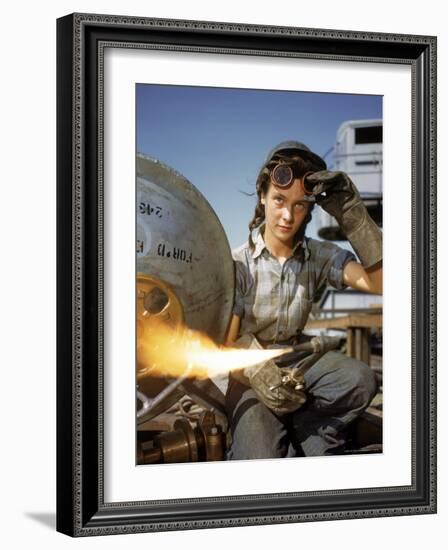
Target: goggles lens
[[282, 175]]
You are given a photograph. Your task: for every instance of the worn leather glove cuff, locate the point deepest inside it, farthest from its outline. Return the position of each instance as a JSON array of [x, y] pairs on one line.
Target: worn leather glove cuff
[[342, 200], [364, 235]]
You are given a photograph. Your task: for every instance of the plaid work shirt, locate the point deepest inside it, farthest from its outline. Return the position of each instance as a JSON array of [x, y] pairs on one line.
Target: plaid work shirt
[[274, 300]]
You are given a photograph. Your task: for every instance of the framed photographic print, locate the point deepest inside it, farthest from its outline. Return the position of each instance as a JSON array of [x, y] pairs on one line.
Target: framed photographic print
[[246, 274]]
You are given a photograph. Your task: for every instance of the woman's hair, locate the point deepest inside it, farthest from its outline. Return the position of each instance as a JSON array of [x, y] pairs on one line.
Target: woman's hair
[[303, 164]]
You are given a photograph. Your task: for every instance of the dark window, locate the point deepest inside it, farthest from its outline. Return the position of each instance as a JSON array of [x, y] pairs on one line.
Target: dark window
[[369, 134], [367, 162]]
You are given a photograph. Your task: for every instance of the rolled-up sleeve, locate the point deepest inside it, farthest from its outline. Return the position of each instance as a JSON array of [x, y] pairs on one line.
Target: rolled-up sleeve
[[332, 260]]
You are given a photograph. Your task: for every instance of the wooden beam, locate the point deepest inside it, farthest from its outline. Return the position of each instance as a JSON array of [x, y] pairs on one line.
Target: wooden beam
[[347, 321]]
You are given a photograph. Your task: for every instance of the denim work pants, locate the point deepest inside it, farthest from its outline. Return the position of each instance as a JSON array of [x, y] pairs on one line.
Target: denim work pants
[[338, 389]]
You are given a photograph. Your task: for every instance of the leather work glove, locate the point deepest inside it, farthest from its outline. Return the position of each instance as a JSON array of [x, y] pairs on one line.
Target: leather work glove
[[266, 381], [342, 200]]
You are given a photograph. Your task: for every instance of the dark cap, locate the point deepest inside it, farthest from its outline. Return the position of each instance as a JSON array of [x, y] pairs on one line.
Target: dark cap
[[296, 146]]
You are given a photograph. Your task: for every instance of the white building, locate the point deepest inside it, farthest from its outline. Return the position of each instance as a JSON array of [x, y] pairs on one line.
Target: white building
[[358, 151]]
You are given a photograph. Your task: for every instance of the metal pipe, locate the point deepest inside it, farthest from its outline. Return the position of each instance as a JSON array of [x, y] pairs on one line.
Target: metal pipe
[[148, 403]]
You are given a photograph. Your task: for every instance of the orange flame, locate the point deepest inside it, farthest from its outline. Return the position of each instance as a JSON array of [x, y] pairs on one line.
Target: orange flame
[[165, 351]]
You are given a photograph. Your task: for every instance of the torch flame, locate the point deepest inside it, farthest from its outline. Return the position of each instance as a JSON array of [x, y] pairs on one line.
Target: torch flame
[[166, 351]]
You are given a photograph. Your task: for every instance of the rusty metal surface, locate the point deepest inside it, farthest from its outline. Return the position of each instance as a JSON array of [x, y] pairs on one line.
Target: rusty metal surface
[[181, 241], [185, 443]]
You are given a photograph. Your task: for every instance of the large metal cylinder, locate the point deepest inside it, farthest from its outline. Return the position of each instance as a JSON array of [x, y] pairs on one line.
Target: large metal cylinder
[[181, 242]]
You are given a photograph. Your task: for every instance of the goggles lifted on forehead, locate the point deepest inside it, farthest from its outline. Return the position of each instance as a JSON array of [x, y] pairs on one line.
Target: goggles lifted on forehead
[[283, 175]]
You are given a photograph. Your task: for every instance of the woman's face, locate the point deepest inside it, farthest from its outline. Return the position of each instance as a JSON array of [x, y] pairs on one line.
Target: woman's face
[[285, 211]]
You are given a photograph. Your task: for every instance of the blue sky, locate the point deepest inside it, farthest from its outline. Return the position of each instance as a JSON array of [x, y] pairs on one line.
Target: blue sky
[[218, 138]]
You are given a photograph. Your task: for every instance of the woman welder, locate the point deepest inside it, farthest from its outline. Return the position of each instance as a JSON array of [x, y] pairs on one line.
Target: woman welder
[[278, 272]]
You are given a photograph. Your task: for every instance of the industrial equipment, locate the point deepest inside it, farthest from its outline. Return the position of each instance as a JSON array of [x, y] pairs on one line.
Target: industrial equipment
[[184, 279]]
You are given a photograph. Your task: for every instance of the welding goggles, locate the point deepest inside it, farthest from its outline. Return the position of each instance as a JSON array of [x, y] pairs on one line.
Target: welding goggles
[[283, 174]]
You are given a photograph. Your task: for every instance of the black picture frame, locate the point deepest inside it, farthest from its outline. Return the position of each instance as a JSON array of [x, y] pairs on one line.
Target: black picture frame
[[81, 510]]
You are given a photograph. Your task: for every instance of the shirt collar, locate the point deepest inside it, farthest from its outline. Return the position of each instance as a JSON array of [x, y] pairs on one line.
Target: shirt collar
[[258, 240]]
